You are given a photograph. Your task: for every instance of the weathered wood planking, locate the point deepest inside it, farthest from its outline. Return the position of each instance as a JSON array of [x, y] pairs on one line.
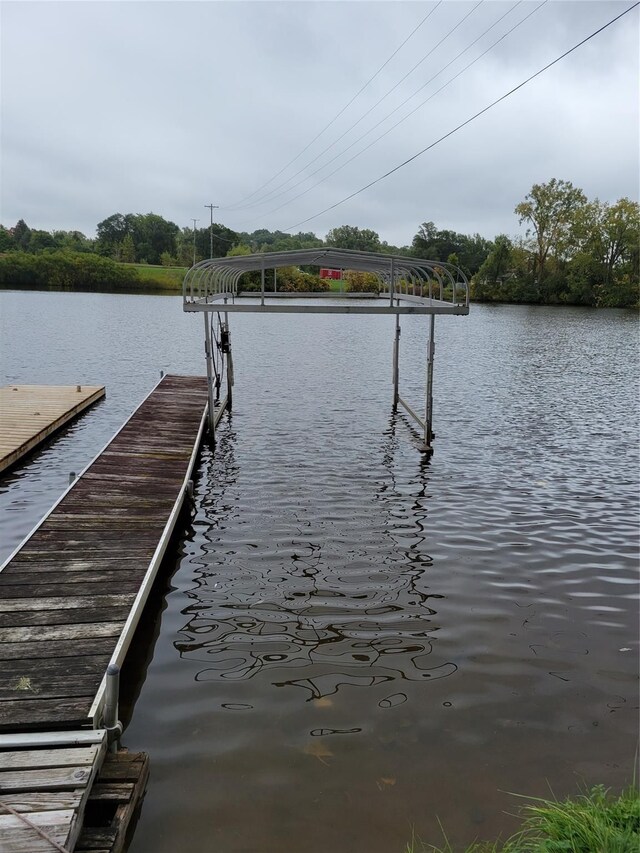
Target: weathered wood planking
[[119, 789], [70, 597], [47, 778], [29, 414]]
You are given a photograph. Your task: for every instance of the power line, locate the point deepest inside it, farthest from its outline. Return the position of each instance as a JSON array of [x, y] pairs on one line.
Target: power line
[[421, 104], [365, 114], [468, 121], [338, 114]]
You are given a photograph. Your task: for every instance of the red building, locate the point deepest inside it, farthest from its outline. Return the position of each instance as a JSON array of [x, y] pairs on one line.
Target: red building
[[325, 273]]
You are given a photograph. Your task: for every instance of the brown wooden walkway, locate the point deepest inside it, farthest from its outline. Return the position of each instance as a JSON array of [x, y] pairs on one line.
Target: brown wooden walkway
[[71, 596]]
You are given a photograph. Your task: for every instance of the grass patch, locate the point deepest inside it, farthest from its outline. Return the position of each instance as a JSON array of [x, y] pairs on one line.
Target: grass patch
[[595, 822], [165, 277]]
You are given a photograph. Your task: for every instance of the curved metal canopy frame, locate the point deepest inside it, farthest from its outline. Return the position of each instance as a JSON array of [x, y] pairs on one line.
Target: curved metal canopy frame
[[411, 285]]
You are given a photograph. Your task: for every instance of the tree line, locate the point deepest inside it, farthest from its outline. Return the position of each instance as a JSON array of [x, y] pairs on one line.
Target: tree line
[[574, 251]]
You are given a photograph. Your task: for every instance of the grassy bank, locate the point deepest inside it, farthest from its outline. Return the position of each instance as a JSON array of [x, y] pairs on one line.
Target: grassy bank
[[595, 822], [84, 271], [169, 277]]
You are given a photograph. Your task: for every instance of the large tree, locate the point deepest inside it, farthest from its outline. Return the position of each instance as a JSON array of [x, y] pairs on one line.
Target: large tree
[[21, 234], [152, 235], [550, 211], [351, 237], [438, 245], [111, 232]]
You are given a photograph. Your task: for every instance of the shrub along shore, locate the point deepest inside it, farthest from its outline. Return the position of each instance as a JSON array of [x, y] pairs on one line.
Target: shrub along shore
[[82, 271]]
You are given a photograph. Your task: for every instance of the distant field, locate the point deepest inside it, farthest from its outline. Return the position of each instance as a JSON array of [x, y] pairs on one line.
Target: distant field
[[169, 277]]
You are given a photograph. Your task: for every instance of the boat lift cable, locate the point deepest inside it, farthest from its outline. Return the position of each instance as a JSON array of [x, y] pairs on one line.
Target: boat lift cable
[[365, 114], [409, 114], [469, 120], [338, 114]]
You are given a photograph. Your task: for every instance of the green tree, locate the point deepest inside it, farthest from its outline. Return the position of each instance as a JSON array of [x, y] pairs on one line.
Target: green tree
[[111, 232], [551, 213], [21, 234], [74, 241], [620, 237], [424, 241], [39, 240], [7, 241], [127, 250], [152, 235], [435, 245], [497, 262], [351, 237]]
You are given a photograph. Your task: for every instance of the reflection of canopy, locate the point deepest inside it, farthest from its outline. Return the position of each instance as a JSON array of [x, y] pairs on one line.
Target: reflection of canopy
[[404, 281]]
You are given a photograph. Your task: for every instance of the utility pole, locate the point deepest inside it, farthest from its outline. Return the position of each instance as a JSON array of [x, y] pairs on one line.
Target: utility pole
[[194, 240], [211, 207]]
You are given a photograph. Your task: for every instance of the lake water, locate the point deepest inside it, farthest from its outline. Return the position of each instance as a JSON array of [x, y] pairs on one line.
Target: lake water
[[356, 643]]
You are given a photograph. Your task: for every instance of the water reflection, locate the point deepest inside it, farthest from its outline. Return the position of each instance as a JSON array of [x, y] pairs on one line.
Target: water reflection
[[309, 615]]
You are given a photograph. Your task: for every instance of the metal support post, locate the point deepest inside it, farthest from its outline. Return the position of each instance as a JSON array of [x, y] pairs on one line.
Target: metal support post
[[110, 716], [209, 357], [275, 280], [396, 362], [262, 284], [229, 362], [392, 278], [428, 420]]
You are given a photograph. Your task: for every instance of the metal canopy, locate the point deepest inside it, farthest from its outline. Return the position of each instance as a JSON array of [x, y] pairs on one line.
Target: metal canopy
[[410, 285]]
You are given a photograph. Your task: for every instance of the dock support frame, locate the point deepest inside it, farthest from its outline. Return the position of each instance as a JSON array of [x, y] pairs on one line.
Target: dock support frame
[[396, 363], [208, 349], [428, 415], [229, 355], [425, 424]]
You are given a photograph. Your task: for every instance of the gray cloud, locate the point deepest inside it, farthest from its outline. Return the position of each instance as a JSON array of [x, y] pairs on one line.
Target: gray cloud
[[140, 106]]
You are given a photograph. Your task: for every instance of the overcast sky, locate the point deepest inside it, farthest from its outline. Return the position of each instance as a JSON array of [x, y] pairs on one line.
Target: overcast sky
[[134, 107]]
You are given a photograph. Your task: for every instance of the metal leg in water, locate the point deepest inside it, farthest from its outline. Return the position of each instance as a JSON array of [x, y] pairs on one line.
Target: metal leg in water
[[229, 363], [209, 357], [396, 363], [428, 420]]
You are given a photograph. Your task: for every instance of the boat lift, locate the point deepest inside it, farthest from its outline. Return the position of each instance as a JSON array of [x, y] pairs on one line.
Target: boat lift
[[408, 286]]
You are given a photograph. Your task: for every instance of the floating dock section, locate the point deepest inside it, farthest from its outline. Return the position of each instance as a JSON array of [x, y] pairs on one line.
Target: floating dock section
[[29, 414], [70, 599]]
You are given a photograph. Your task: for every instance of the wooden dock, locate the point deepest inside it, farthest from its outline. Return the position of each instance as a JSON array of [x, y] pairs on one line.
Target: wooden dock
[[45, 783], [29, 414], [71, 595]]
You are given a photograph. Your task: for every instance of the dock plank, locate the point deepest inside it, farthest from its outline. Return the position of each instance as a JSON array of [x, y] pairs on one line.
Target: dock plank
[[47, 685], [41, 801], [40, 713], [41, 759], [37, 633], [18, 837]]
